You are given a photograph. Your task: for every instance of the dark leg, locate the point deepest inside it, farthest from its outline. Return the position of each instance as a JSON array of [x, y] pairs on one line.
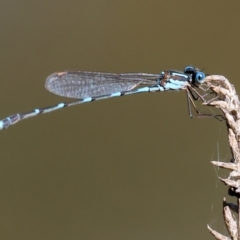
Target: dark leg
[[198, 95], [191, 98]]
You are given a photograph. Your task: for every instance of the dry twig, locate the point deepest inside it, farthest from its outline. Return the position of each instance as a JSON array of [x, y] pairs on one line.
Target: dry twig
[[227, 100]]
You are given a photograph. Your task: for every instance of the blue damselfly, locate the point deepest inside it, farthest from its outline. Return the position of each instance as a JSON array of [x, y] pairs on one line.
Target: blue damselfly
[[90, 86]]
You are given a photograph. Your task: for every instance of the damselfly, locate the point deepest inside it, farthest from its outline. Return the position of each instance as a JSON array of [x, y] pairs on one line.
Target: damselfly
[[90, 86]]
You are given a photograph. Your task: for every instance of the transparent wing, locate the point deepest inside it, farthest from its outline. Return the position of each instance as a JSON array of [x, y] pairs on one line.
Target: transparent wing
[[79, 84]]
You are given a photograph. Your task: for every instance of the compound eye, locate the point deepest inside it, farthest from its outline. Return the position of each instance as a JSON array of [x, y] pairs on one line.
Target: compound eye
[[199, 77], [189, 70]]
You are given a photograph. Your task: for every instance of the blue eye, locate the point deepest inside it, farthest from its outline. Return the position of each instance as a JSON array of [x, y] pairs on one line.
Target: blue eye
[[199, 77]]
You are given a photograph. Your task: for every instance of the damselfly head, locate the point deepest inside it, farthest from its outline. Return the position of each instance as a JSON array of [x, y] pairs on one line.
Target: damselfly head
[[197, 75]]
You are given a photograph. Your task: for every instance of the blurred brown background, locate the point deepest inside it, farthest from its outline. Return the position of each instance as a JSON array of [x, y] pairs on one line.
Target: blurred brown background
[[135, 167]]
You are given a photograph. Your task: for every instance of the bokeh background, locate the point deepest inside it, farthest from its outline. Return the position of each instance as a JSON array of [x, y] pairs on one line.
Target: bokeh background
[[135, 167]]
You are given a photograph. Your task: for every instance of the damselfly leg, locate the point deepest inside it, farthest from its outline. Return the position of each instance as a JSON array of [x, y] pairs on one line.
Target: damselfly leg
[[193, 95]]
